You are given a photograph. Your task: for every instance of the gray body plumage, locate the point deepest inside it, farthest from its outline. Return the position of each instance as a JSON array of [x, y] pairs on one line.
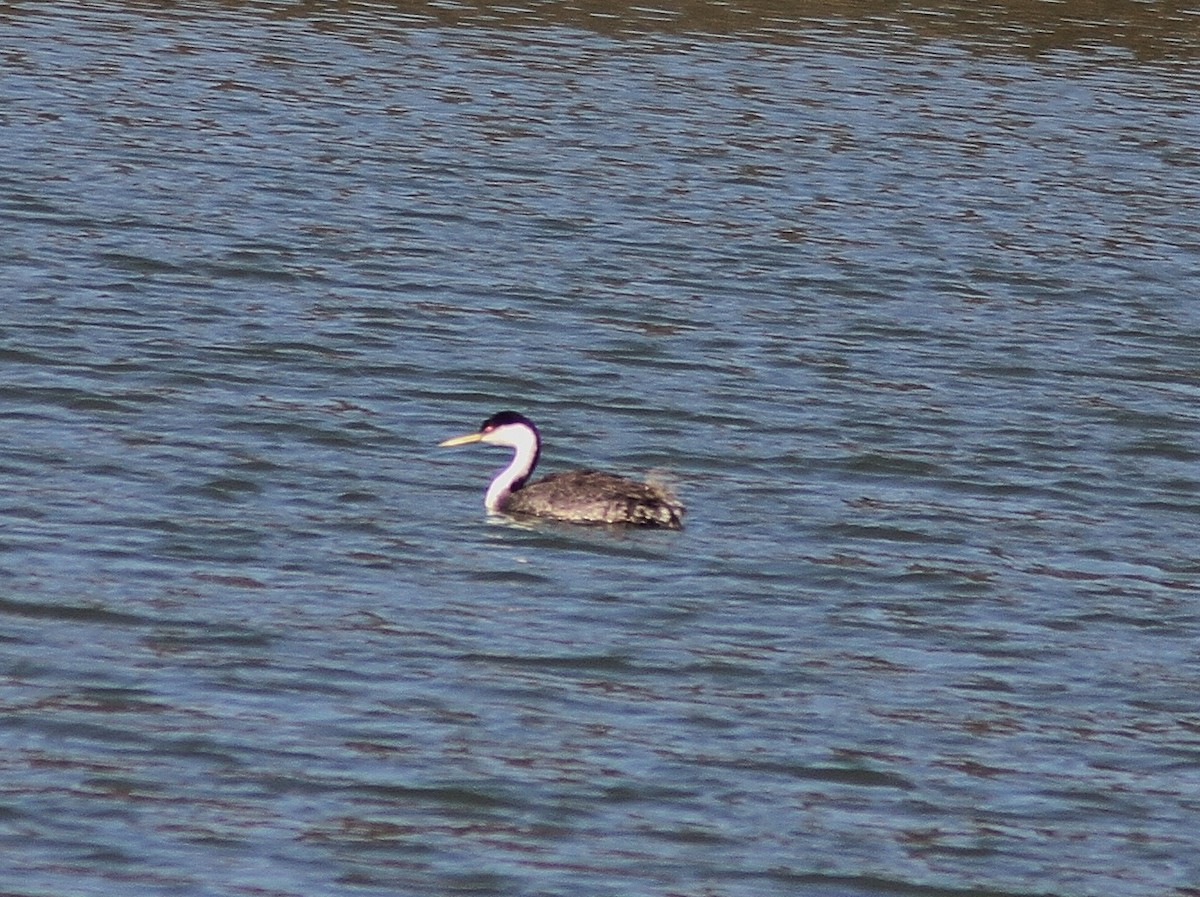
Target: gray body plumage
[[592, 496]]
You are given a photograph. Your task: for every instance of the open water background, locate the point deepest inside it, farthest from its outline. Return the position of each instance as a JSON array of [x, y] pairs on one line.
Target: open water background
[[903, 299]]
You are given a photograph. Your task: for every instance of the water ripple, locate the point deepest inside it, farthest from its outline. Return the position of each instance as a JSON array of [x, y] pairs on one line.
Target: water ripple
[[898, 299]]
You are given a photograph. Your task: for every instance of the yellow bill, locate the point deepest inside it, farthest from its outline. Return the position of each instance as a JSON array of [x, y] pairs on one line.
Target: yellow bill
[[462, 440]]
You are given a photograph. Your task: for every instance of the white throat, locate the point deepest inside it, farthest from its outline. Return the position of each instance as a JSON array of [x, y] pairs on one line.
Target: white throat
[[525, 445]]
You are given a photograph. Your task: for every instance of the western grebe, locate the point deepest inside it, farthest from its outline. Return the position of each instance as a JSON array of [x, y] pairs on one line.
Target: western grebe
[[578, 496]]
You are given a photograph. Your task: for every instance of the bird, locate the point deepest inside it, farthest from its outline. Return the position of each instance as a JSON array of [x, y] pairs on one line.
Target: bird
[[576, 496]]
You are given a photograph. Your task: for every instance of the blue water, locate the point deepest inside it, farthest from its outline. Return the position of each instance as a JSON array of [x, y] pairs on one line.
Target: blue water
[[903, 306]]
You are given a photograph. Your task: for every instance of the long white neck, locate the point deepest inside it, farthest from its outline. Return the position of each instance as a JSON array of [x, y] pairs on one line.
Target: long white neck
[[525, 454]]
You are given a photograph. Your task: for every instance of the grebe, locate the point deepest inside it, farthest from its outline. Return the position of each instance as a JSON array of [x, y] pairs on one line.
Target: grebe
[[578, 496]]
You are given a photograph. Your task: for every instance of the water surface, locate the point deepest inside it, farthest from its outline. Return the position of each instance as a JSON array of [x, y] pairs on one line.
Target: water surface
[[903, 302]]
